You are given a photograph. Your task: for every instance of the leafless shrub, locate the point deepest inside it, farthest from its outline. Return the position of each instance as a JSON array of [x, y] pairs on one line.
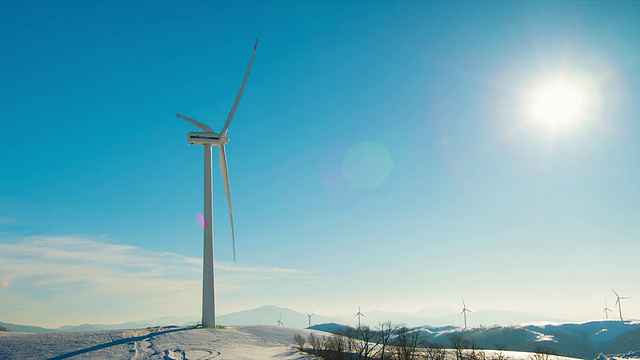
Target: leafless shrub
[[316, 343], [500, 355], [433, 351], [300, 341], [541, 353], [458, 345], [366, 344], [472, 352], [406, 343], [385, 330], [335, 346]]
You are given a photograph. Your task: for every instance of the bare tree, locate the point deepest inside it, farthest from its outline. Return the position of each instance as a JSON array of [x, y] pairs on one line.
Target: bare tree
[[433, 351], [316, 343], [299, 340], [457, 344], [367, 344], [335, 346], [406, 343], [500, 355], [472, 352], [385, 330], [541, 353]]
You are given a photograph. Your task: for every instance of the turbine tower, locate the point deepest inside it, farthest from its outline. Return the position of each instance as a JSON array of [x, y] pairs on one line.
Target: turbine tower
[[280, 321], [618, 303], [209, 138], [606, 308], [309, 316], [359, 315], [464, 313]]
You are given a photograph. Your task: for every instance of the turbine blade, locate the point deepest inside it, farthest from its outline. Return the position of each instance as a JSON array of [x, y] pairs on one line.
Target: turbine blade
[[198, 124], [615, 293], [225, 177], [235, 104]]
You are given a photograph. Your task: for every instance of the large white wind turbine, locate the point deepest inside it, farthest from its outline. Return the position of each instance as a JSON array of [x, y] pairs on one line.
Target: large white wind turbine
[[209, 138], [618, 302], [464, 313]]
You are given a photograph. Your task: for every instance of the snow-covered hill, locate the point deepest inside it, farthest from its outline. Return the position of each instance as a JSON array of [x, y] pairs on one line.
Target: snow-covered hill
[[581, 340], [163, 321], [257, 342], [246, 342]]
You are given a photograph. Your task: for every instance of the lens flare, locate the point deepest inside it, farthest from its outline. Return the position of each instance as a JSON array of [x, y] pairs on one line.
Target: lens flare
[[201, 221], [5, 283], [367, 165]]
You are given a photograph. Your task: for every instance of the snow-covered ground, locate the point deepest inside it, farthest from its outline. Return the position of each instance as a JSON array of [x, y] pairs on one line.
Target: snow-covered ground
[[243, 342], [259, 342]]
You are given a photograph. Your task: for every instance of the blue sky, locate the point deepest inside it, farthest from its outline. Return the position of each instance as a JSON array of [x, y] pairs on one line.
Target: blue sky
[[384, 155]]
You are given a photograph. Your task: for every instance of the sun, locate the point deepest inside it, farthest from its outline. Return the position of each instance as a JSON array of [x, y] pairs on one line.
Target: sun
[[559, 103]]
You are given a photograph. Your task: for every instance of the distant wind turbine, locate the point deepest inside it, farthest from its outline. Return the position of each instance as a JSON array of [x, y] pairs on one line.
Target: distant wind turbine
[[280, 321], [619, 303], [209, 138], [606, 308], [309, 316], [359, 315], [464, 313]]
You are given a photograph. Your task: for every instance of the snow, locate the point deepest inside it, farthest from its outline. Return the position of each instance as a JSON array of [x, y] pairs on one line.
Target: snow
[[242, 342], [264, 342], [258, 342]]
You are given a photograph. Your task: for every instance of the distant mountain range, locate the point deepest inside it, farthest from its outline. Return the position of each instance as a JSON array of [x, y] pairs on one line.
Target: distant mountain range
[[269, 315], [163, 321]]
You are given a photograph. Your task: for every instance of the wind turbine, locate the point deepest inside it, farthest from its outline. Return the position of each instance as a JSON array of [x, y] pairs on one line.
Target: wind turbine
[[618, 303], [359, 315], [309, 316], [606, 308], [464, 313], [209, 138], [280, 321]]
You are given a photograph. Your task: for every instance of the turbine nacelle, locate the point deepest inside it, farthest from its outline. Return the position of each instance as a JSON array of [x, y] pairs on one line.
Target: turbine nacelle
[[206, 138]]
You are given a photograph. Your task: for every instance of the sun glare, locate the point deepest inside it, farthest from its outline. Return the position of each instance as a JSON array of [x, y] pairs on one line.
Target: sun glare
[[558, 104]]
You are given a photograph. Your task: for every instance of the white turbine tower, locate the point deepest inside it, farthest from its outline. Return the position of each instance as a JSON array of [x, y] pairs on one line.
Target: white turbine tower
[[209, 138], [309, 316], [606, 308], [359, 315], [464, 313], [619, 303]]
